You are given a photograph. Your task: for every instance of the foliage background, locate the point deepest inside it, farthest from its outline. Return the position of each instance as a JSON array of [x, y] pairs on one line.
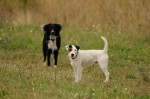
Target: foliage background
[[121, 15]]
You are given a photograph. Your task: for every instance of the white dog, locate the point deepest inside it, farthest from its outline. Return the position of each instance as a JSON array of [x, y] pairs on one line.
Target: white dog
[[82, 58]]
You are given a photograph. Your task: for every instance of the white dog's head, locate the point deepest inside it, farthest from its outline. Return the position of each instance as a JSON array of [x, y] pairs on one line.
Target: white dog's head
[[72, 50]]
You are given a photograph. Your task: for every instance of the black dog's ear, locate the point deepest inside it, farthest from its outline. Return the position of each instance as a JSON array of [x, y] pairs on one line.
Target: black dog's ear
[[78, 47], [46, 27], [58, 26]]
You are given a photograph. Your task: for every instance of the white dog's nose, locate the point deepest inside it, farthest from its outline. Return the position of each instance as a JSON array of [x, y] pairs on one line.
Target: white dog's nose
[[72, 55]]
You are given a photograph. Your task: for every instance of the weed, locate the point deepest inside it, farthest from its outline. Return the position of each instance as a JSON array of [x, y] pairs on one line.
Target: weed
[[130, 76], [144, 73]]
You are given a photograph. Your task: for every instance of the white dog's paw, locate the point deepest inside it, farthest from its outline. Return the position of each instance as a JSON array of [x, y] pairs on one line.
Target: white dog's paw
[[106, 81], [55, 66], [76, 81], [44, 64]]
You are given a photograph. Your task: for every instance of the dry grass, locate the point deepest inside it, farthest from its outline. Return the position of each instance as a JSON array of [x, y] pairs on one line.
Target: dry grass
[[120, 15]]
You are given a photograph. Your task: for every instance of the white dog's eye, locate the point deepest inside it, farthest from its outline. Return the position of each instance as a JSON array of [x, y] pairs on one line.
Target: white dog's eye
[[75, 50], [69, 49]]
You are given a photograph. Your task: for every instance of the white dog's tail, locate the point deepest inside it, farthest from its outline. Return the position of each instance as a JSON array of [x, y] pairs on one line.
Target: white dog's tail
[[106, 44]]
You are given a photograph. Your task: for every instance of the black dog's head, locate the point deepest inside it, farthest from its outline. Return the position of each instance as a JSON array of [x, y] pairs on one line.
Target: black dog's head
[[52, 29]]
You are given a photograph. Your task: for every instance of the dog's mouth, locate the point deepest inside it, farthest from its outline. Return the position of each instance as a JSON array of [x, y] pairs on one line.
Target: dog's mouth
[[53, 37], [73, 56]]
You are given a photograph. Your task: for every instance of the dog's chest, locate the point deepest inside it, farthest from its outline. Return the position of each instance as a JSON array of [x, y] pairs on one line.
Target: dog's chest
[[52, 44]]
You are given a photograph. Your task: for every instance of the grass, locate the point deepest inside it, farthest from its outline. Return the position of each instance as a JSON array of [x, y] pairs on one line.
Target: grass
[[22, 74]]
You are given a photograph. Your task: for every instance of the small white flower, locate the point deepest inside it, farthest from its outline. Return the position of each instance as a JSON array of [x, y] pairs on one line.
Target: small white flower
[[3, 34], [1, 30], [85, 93], [93, 25], [93, 94], [76, 94], [14, 22], [126, 89], [31, 31]]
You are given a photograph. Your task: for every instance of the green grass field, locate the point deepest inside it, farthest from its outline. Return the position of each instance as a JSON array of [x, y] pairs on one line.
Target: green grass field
[[22, 75]]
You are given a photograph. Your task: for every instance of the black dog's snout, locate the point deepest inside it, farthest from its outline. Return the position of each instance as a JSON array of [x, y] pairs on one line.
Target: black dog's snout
[[52, 33], [53, 40]]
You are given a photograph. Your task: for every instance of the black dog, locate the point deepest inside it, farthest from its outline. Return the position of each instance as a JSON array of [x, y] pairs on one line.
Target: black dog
[[51, 42]]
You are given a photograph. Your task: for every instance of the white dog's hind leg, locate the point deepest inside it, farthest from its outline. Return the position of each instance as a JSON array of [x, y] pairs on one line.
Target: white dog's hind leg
[[103, 66]]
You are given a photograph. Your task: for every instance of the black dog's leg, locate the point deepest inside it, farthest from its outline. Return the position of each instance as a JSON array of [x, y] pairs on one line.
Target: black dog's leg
[[48, 56], [55, 57], [44, 53]]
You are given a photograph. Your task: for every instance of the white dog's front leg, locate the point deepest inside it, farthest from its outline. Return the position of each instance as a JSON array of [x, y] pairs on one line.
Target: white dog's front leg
[[79, 73], [75, 72]]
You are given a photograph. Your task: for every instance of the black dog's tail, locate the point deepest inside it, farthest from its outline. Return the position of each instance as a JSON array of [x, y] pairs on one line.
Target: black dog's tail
[[106, 44]]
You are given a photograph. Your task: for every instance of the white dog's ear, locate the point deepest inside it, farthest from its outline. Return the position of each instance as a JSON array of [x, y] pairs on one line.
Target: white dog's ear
[[78, 47], [67, 46]]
